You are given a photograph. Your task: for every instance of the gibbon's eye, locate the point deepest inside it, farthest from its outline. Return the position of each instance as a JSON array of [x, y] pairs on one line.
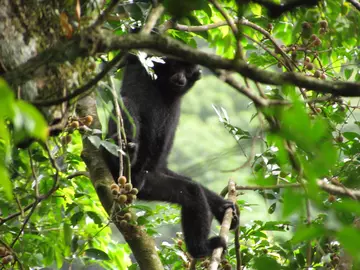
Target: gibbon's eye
[[193, 73]]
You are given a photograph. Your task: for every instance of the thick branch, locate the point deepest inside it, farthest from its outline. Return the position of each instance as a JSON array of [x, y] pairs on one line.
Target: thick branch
[[90, 43], [141, 244], [355, 3]]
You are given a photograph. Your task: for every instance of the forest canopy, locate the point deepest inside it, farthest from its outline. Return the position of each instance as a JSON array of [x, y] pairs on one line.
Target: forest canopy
[[272, 125]]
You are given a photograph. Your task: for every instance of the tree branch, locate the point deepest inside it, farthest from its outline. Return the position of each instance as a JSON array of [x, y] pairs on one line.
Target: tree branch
[[338, 190], [117, 60], [141, 244], [88, 44], [225, 226], [355, 3]]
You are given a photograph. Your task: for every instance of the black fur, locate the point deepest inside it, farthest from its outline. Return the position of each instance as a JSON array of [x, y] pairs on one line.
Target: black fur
[[155, 107]]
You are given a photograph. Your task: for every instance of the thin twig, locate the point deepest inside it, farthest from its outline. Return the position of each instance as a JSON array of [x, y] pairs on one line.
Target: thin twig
[[234, 29], [118, 128], [24, 223], [79, 173], [237, 249], [249, 158], [152, 19], [34, 174], [226, 77], [102, 17], [244, 22]]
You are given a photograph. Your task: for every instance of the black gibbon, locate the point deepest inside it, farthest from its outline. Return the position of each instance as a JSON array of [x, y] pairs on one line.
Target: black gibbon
[[154, 105]]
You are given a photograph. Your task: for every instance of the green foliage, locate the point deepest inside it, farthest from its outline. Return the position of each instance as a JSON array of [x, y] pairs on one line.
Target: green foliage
[[51, 216]]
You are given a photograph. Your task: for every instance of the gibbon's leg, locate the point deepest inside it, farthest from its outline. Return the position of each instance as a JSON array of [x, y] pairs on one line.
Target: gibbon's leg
[[217, 204], [195, 212]]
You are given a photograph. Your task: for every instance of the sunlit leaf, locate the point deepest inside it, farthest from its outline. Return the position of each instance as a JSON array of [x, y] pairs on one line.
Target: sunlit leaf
[[96, 254]]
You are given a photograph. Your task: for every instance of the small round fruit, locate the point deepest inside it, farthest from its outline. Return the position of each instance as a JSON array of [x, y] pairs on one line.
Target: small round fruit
[[180, 242], [309, 66], [317, 74], [134, 191], [317, 42], [122, 180], [306, 25], [122, 199], [123, 223], [331, 198], [2, 251], [88, 120], [128, 187], [322, 31], [7, 259], [127, 216], [114, 192], [131, 198], [313, 37], [323, 24], [66, 139], [307, 59], [74, 124], [323, 76], [339, 139], [114, 187]]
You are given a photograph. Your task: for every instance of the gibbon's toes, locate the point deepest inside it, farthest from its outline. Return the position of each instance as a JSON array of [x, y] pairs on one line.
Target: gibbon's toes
[[236, 211], [216, 242], [200, 251]]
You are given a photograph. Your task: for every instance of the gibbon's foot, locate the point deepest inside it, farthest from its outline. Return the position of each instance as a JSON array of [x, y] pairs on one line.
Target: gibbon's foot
[[235, 218], [205, 251]]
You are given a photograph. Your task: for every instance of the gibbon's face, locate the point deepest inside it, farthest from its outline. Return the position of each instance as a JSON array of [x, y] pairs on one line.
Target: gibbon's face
[[184, 75], [177, 77]]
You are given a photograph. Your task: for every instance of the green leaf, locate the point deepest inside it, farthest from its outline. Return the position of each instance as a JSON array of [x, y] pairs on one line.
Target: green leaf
[[351, 135], [76, 218], [112, 148], [348, 73], [293, 202], [347, 205], [28, 122], [265, 263], [306, 233], [95, 217], [350, 238], [67, 234], [272, 208], [74, 244], [95, 141], [5, 183], [6, 101], [97, 254]]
